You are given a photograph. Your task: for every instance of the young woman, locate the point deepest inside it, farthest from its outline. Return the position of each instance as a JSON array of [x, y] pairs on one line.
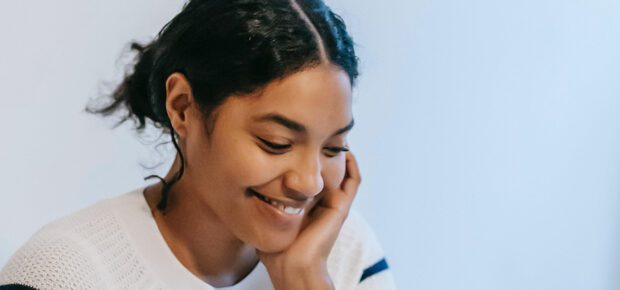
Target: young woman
[[256, 97]]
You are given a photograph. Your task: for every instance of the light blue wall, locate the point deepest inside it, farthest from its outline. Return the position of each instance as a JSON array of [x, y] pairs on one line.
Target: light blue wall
[[491, 140], [488, 132]]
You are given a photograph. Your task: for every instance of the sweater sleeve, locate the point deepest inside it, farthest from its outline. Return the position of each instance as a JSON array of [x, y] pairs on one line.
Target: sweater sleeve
[[52, 262], [377, 276], [357, 261], [376, 273]]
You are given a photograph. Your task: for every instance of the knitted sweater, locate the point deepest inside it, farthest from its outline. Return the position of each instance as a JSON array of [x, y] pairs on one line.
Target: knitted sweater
[[115, 244]]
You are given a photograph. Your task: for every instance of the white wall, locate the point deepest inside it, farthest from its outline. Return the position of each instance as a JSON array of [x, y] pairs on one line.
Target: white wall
[[488, 131]]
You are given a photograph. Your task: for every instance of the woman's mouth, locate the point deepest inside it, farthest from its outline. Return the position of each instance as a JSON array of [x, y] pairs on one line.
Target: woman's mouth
[[287, 209]]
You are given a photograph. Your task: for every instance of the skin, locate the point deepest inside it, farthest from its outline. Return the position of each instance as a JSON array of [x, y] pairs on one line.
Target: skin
[[215, 228]]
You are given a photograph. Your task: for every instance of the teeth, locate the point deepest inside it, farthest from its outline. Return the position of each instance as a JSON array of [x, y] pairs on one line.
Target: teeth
[[292, 210], [285, 209]]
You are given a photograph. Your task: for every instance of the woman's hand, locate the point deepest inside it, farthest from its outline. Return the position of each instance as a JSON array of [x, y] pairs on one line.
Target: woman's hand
[[304, 264]]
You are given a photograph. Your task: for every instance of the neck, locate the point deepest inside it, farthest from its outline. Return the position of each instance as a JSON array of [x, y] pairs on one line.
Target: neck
[[197, 237]]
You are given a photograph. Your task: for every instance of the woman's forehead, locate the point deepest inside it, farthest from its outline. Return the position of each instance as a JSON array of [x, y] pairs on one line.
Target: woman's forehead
[[320, 95]]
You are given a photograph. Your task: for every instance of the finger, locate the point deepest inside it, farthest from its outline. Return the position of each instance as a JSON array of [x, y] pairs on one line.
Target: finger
[[353, 177], [323, 230], [325, 224], [342, 198]]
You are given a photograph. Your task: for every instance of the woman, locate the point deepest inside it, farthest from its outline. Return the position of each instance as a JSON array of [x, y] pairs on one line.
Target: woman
[[256, 96]]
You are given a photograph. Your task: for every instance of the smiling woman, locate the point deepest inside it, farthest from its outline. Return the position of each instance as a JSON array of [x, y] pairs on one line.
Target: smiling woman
[[256, 97]]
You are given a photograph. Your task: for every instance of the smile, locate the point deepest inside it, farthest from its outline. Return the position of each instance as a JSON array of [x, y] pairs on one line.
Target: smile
[[290, 210]]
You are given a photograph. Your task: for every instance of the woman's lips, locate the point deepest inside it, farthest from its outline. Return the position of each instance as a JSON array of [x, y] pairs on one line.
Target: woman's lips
[[276, 216], [287, 207]]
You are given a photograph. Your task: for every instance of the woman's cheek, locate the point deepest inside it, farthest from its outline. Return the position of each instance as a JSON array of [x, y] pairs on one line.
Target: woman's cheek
[[334, 172], [255, 167]]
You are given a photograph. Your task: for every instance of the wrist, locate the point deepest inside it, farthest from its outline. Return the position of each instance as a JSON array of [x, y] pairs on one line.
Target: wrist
[[304, 277]]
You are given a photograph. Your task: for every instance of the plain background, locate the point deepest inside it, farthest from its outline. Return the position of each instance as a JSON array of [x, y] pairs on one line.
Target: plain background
[[488, 132]]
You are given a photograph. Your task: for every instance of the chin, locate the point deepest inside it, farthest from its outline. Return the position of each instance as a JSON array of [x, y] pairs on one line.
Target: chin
[[275, 243]]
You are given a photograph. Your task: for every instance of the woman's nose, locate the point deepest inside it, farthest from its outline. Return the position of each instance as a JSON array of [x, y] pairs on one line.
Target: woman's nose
[[304, 177]]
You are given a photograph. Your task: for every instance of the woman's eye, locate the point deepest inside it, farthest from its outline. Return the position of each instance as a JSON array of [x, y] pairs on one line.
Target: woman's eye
[[277, 147], [333, 151]]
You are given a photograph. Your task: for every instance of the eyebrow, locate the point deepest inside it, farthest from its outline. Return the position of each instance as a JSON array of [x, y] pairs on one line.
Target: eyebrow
[[296, 126]]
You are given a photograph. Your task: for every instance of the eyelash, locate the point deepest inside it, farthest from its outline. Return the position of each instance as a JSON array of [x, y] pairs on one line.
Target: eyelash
[[277, 147]]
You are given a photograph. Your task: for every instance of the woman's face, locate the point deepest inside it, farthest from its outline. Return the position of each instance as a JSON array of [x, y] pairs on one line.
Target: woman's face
[[267, 151]]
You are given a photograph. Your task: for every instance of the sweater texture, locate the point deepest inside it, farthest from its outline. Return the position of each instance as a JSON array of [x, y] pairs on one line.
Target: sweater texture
[[116, 244]]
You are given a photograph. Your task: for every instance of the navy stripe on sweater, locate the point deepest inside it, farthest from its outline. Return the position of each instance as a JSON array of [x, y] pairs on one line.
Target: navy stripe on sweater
[[15, 287], [374, 269]]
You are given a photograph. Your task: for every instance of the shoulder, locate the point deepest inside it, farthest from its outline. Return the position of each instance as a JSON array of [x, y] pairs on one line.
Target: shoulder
[[52, 261], [54, 257], [357, 257], [69, 252]]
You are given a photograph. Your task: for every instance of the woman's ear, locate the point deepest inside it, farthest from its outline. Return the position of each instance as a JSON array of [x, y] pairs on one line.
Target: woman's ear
[[179, 101]]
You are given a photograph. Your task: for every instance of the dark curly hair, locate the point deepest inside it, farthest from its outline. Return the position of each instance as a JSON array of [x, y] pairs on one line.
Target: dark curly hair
[[224, 48]]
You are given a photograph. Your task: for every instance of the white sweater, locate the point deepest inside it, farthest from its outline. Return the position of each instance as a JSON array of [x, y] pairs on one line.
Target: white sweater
[[115, 244]]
